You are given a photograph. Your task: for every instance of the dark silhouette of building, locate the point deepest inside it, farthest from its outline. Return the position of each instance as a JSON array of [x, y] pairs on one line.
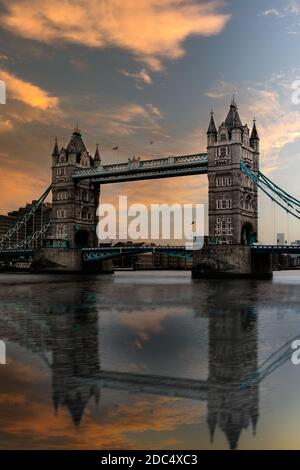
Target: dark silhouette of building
[[41, 217], [233, 398]]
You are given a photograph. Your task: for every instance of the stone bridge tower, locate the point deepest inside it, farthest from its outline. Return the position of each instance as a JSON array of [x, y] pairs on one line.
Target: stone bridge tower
[[232, 195], [74, 204]]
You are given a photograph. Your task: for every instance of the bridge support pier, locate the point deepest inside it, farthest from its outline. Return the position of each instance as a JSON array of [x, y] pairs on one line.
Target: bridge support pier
[[231, 261], [66, 260]]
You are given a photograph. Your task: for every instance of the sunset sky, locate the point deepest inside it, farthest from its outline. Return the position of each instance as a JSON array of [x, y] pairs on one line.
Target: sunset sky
[[135, 71]]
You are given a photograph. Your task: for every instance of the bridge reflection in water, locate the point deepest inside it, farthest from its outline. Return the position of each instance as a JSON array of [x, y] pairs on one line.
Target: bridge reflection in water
[[65, 334]]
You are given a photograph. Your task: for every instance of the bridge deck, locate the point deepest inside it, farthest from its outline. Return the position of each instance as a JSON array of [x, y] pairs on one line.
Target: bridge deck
[[101, 253], [158, 385], [134, 170], [279, 249]]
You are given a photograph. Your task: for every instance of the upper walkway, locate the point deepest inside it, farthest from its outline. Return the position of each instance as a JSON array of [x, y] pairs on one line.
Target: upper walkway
[[136, 169]]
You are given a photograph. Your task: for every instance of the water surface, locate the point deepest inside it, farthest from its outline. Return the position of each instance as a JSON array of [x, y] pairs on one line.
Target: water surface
[[84, 353]]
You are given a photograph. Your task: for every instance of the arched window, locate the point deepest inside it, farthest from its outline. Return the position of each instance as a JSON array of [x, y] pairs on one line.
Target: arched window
[[84, 212]]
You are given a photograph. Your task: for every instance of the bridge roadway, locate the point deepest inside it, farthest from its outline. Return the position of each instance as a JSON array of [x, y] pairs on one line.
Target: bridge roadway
[[152, 384], [137, 169], [101, 253], [277, 249]]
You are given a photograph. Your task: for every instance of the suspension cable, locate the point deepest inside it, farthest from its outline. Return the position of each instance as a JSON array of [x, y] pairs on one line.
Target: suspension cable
[[23, 222]]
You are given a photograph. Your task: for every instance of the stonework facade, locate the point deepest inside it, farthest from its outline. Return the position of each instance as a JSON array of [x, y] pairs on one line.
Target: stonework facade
[[232, 195], [74, 204]]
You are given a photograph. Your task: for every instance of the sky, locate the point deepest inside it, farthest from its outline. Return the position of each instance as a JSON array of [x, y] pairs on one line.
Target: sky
[[130, 73]]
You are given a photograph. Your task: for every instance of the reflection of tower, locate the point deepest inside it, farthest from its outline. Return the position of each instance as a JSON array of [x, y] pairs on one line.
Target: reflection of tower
[[75, 357], [232, 359]]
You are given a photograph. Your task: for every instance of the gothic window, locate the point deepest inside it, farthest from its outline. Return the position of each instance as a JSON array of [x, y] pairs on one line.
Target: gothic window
[[224, 181], [84, 213], [223, 152], [224, 204], [223, 137], [60, 172], [61, 230], [62, 213], [61, 196], [223, 226], [248, 203]]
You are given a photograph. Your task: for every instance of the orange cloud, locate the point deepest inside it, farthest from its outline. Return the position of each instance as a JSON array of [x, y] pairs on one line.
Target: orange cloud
[[151, 29], [27, 93], [118, 421], [18, 187], [140, 77], [5, 125]]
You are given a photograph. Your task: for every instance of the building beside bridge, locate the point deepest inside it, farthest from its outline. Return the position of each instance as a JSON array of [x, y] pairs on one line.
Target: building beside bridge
[[41, 216]]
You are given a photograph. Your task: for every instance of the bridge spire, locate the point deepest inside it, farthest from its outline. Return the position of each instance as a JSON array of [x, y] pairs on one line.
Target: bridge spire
[[254, 133], [55, 152], [212, 130], [77, 131], [97, 156], [233, 120]]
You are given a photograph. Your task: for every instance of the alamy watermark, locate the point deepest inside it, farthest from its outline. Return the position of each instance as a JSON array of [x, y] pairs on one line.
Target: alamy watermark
[[2, 352], [296, 353], [2, 92], [163, 222]]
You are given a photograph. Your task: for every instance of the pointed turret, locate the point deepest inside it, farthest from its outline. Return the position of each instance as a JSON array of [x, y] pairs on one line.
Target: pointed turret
[[55, 152], [97, 156], [212, 127], [76, 146], [233, 120], [254, 138], [254, 133], [211, 131], [212, 422]]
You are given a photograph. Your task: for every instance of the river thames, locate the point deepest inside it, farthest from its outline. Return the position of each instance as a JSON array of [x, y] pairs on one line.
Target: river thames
[[149, 360]]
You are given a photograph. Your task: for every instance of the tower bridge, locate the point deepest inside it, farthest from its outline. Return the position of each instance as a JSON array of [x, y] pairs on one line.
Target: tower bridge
[[231, 164]]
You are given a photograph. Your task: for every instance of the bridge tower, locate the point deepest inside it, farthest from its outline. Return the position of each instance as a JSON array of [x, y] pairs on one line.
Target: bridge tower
[[232, 195], [74, 204]]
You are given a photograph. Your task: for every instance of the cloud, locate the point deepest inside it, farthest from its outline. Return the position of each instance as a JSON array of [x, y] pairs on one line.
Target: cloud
[[222, 90], [18, 186], [140, 77], [151, 29], [292, 8], [27, 93], [271, 12], [154, 110], [120, 120], [5, 125]]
